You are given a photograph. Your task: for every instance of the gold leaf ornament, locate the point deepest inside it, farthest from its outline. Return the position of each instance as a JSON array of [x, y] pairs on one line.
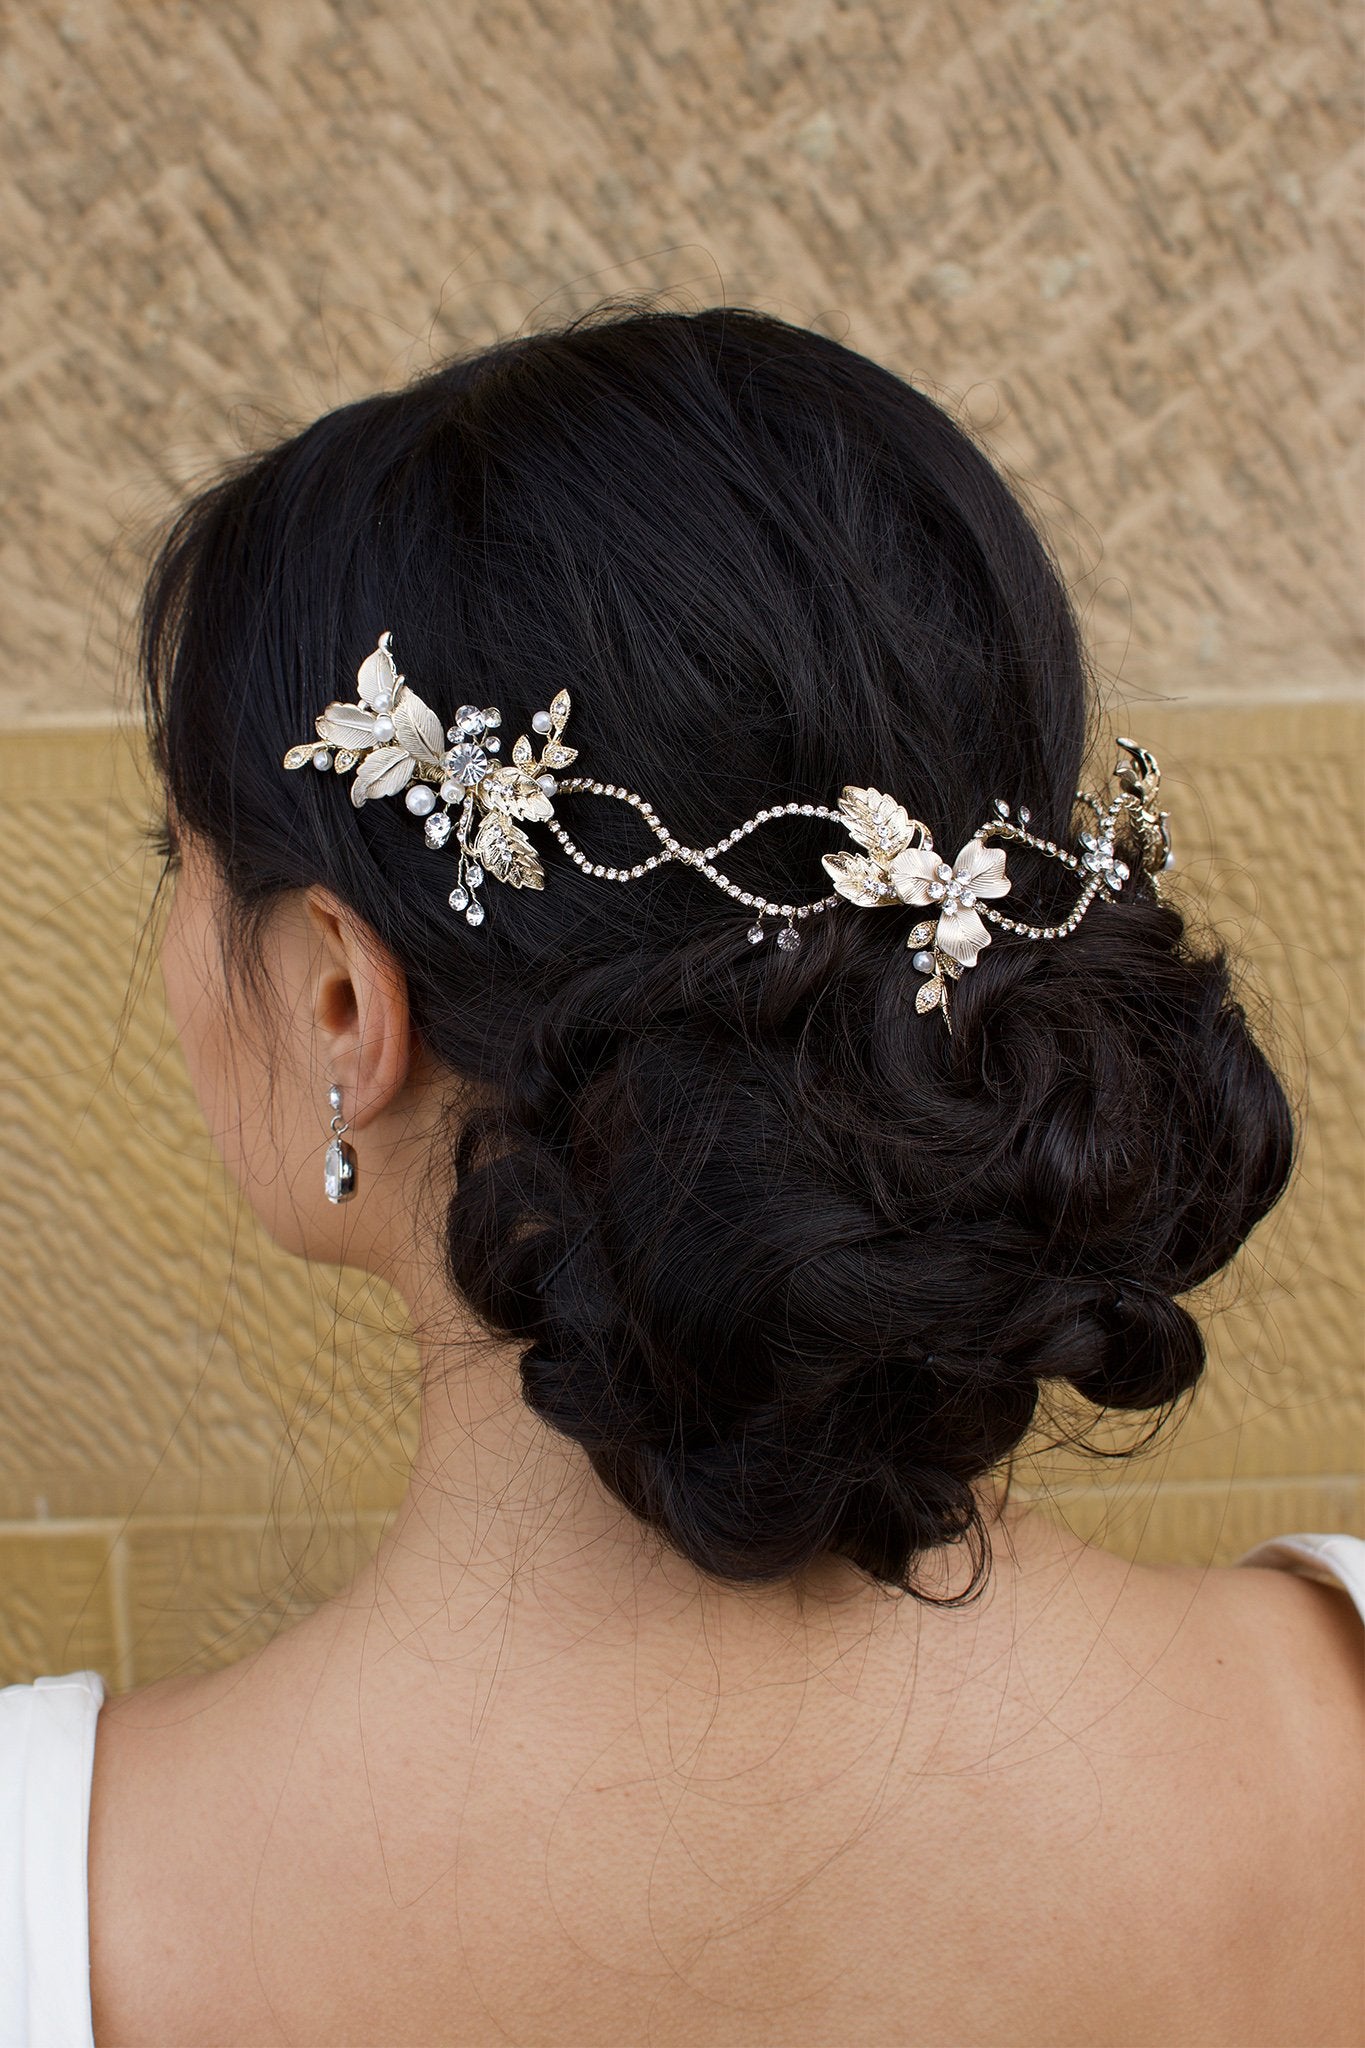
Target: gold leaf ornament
[[507, 789], [877, 822], [861, 880], [347, 725], [507, 853], [299, 757], [377, 675], [930, 995], [416, 727], [382, 773]]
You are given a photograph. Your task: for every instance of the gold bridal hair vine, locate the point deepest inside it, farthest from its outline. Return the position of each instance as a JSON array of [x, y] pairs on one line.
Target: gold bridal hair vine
[[452, 778]]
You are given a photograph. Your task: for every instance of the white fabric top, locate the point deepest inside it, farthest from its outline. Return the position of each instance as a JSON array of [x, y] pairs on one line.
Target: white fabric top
[[47, 1753]]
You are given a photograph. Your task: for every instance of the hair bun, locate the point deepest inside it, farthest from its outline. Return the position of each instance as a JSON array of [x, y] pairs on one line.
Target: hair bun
[[1147, 1349]]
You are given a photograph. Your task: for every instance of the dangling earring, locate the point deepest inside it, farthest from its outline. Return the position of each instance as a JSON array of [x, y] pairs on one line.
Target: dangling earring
[[339, 1162]]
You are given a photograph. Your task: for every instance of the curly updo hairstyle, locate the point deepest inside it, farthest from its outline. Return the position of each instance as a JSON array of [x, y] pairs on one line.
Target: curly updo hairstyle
[[790, 1262]]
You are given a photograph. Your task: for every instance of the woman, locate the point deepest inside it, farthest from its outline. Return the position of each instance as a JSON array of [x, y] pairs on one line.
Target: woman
[[706, 1689]]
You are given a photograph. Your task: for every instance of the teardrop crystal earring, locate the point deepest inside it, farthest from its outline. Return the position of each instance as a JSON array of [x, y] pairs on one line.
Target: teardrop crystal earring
[[339, 1162]]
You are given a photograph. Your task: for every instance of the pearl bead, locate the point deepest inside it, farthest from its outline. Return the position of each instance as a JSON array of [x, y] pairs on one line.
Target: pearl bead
[[383, 701], [547, 783], [322, 759], [420, 799], [922, 962], [383, 729], [541, 722]]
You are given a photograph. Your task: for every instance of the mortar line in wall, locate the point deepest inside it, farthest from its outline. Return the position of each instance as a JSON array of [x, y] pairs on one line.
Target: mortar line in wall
[[116, 1528], [1241, 1482], [113, 1527]]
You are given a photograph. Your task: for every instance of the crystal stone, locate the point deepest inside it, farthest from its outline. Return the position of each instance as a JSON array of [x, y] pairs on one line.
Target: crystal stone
[[459, 896], [474, 914], [473, 874], [788, 939], [755, 935], [420, 799], [338, 1171], [466, 765], [438, 829]]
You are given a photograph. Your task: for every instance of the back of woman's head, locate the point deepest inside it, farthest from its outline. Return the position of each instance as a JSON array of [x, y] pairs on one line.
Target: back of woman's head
[[791, 1262]]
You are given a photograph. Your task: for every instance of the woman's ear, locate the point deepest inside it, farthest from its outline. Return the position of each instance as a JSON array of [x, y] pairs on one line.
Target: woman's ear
[[359, 998]]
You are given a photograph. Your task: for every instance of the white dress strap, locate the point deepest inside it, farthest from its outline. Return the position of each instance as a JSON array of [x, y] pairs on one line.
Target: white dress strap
[[47, 1753], [1336, 1559]]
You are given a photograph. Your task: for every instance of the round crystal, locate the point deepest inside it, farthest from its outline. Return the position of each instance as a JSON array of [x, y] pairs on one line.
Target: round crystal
[[492, 716], [459, 896], [383, 729], [466, 765], [755, 934], [1002, 807], [465, 713], [541, 722], [322, 759], [967, 898], [473, 874], [936, 890], [493, 743], [788, 939], [922, 962], [438, 829], [1024, 814], [945, 873], [420, 799], [474, 914]]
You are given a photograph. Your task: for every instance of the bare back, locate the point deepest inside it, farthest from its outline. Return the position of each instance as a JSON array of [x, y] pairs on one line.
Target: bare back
[[1108, 1805]]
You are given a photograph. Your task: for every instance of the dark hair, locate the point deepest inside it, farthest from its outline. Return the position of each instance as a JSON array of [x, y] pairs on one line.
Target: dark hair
[[789, 1261]]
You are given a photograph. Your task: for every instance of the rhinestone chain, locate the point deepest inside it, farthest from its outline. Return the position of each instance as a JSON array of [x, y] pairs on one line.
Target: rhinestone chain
[[703, 859]]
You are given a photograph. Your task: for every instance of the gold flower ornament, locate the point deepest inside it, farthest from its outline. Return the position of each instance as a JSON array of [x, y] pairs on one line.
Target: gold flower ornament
[[902, 866], [453, 779]]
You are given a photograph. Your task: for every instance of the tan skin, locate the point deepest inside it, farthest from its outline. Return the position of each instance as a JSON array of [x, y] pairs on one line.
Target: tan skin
[[532, 1781]]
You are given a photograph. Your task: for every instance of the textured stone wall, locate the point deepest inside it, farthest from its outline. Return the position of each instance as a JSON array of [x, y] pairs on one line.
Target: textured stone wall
[[1118, 242]]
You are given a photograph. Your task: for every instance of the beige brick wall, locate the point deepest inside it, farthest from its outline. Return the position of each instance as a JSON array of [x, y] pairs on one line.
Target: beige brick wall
[[1116, 240]]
